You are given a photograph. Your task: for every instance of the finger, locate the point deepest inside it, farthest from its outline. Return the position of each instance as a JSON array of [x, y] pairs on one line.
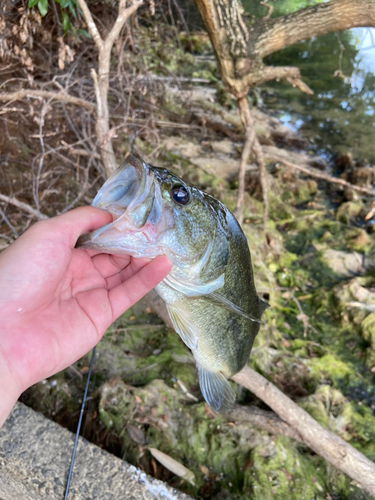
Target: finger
[[128, 293], [76, 222], [133, 267], [108, 264], [122, 267]]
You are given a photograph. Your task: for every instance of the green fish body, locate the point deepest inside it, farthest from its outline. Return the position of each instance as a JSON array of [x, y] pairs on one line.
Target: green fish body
[[210, 293]]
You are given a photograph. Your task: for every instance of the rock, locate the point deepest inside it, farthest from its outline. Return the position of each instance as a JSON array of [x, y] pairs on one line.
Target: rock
[[346, 264], [34, 461], [225, 146], [349, 211], [318, 162], [345, 161]]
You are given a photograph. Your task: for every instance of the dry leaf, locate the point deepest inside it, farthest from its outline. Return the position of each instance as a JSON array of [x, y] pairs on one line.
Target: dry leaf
[[174, 466], [136, 435]]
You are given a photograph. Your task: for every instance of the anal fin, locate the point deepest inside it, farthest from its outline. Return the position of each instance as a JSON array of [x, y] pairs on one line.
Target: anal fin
[[216, 389]]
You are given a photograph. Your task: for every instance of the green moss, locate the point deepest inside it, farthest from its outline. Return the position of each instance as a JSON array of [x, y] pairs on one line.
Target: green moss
[[281, 472], [348, 211], [368, 329], [331, 367]]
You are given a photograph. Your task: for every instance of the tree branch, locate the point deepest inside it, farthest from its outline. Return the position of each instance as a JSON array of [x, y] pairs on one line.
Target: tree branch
[[101, 81], [326, 444], [265, 420], [91, 26], [251, 143], [290, 74], [123, 15], [323, 176], [336, 15], [23, 206], [44, 94]]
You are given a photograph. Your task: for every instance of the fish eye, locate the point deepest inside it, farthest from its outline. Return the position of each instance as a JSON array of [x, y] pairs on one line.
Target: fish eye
[[180, 195]]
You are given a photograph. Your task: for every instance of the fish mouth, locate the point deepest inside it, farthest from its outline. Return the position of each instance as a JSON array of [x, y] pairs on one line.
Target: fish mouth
[[133, 198]]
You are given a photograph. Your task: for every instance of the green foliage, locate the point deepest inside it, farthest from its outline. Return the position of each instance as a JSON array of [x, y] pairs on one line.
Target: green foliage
[[67, 7]]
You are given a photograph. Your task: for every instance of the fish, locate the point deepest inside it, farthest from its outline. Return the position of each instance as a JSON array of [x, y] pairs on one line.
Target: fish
[[210, 293]]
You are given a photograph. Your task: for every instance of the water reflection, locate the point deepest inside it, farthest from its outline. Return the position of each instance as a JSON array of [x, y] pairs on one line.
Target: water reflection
[[339, 117], [340, 69]]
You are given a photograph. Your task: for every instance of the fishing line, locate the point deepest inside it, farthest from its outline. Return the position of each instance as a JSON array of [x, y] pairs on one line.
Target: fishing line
[[93, 351], [79, 424]]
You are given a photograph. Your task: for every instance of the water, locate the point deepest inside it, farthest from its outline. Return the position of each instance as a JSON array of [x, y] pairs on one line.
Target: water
[[340, 69]]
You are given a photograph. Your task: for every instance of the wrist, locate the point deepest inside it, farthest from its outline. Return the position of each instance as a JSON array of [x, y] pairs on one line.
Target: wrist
[[9, 390]]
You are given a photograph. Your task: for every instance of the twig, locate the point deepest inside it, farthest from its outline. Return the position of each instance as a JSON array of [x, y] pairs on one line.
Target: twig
[[251, 143], [302, 316], [326, 444], [176, 78], [264, 420], [269, 7], [246, 150], [320, 175], [23, 206], [41, 159], [9, 224], [45, 94], [83, 191], [101, 81]]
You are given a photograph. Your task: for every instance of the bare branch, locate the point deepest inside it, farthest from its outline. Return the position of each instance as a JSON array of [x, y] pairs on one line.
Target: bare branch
[[91, 26], [101, 81], [329, 446], [269, 7], [323, 176], [290, 74], [336, 15], [45, 94], [246, 150], [123, 16], [8, 223], [251, 143], [23, 206], [264, 420]]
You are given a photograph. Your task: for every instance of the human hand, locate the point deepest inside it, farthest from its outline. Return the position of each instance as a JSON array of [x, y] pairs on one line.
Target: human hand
[[56, 301]]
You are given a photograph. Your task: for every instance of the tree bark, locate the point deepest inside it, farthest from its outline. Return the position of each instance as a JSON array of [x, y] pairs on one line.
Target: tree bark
[[240, 44], [280, 32]]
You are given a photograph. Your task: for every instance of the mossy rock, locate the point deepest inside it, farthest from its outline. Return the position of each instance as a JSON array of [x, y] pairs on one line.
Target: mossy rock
[[349, 211], [368, 329]]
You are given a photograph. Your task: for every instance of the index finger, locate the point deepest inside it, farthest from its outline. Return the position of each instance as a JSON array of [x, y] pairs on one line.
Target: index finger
[[76, 222]]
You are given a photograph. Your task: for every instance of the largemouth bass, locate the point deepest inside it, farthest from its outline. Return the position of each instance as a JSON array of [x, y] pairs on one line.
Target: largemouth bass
[[209, 293]]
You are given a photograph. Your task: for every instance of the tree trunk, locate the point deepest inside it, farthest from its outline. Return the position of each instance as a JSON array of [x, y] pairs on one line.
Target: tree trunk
[[241, 43]]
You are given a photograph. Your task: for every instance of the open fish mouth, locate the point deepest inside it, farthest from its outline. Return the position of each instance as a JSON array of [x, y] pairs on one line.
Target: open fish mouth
[[133, 198]]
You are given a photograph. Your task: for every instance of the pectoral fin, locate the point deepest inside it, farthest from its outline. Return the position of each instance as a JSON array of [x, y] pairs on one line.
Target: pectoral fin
[[216, 389], [186, 331]]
